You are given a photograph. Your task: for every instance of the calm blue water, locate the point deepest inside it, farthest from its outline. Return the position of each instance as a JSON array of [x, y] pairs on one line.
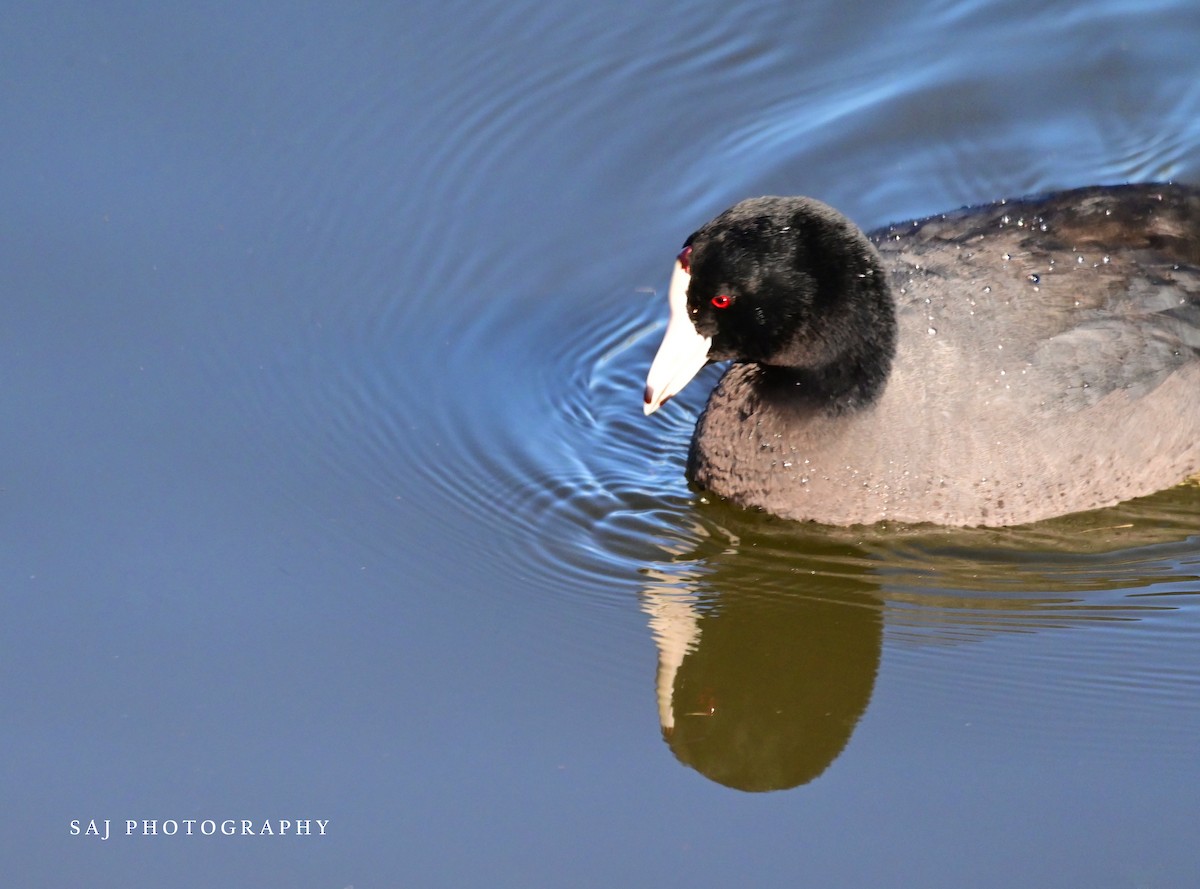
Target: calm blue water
[[327, 494]]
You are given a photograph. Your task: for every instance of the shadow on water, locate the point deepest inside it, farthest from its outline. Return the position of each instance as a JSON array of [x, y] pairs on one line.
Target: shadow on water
[[770, 634], [761, 693]]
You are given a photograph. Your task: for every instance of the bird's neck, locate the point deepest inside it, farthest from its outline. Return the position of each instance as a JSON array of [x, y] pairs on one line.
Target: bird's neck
[[848, 368]]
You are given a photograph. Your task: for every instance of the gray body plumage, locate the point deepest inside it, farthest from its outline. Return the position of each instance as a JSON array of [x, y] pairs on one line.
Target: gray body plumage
[[1047, 361]]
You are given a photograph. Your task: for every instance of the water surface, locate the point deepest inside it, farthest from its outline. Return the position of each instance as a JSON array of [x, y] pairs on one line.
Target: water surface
[[327, 492]]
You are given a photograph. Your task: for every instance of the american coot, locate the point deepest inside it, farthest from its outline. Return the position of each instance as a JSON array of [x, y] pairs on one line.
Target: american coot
[[992, 366]]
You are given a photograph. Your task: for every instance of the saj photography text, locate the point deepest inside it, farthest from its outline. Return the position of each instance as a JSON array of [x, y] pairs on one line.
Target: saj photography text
[[107, 828]]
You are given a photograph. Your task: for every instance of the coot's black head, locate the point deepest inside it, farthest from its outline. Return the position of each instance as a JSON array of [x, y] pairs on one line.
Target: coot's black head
[[786, 282]]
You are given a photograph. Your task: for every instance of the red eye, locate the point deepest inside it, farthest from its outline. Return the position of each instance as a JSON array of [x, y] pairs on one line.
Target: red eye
[[721, 301], [685, 258]]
